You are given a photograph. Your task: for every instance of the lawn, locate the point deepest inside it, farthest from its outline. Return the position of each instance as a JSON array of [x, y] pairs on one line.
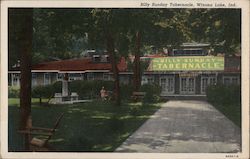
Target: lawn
[[231, 111], [90, 127]]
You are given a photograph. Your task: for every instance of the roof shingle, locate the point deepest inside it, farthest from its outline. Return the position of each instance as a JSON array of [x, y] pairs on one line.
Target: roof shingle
[[78, 65]]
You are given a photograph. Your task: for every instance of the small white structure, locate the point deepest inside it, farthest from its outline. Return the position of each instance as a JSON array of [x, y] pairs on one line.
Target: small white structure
[[65, 90], [64, 97]]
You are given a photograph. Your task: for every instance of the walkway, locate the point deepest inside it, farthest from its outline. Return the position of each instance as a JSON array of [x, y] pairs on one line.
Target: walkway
[[185, 126]]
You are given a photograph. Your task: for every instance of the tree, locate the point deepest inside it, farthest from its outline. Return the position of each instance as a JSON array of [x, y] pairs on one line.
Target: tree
[[220, 27], [24, 24]]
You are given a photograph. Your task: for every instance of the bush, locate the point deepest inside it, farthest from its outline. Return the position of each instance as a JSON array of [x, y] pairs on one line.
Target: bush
[[47, 91], [57, 87], [221, 94], [227, 99], [153, 92], [89, 89], [135, 110], [14, 92], [43, 92]]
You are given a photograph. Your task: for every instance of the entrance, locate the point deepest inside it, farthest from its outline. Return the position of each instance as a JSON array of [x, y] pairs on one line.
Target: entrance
[[205, 82], [167, 85], [187, 85]]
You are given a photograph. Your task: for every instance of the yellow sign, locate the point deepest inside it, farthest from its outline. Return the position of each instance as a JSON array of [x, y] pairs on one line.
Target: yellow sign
[[193, 63]]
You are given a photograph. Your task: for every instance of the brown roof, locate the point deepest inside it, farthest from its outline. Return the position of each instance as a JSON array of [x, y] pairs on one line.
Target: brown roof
[[233, 64], [78, 65]]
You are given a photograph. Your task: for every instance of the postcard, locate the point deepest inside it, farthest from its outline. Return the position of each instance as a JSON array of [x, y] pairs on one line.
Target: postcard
[[124, 79]]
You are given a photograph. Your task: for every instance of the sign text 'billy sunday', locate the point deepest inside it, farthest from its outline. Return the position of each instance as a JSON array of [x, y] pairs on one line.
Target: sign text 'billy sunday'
[[187, 63]]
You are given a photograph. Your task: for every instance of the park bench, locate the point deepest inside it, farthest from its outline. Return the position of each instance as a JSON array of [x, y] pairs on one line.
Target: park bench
[[138, 95], [41, 135]]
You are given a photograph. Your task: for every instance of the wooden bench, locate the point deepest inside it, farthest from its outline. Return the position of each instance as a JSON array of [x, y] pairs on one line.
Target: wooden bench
[[138, 95], [42, 135]]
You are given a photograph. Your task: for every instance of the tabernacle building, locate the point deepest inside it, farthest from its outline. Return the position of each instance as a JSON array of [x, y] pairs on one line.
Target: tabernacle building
[[182, 72]]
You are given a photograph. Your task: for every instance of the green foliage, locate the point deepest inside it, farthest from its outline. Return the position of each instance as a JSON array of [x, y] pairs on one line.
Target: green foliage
[[46, 91], [116, 124], [227, 99], [43, 91], [153, 92], [126, 91], [96, 126], [61, 33], [90, 89], [13, 92], [135, 109], [57, 87], [222, 94]]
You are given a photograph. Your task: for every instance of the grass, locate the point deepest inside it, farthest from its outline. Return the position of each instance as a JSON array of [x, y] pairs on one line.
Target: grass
[[88, 127], [231, 111]]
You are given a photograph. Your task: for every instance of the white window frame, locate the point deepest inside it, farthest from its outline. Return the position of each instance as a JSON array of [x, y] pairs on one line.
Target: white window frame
[[145, 79], [203, 91], [90, 76], [45, 80], [167, 78], [231, 80], [34, 79], [59, 76], [15, 79], [106, 77], [73, 78], [187, 91]]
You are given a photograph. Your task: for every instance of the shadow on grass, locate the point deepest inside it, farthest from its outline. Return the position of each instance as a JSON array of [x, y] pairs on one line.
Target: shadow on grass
[[86, 127]]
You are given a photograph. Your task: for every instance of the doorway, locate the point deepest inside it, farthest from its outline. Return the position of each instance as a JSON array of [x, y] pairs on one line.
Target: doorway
[[187, 85]]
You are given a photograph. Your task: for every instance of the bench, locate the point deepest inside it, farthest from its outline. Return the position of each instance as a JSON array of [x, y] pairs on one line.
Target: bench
[[39, 142], [138, 95]]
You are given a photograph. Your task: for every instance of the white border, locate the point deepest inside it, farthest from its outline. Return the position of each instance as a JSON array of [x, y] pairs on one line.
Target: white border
[[243, 4]]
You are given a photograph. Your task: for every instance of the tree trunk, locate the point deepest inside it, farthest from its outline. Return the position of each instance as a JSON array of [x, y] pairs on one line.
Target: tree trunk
[[40, 100], [25, 46], [113, 61], [137, 72]]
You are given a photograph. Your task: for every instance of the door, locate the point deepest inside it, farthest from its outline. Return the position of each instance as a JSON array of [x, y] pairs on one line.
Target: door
[[187, 85], [167, 85], [205, 82]]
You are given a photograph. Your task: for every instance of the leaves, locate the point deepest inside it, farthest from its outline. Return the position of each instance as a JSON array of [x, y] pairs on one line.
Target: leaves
[[66, 33]]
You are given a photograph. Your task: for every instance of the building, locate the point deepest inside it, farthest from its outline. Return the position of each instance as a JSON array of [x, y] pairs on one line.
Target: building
[[192, 78], [188, 70], [89, 68]]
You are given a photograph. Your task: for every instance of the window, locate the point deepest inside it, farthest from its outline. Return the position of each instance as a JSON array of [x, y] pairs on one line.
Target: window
[[59, 76], [96, 58], [106, 77], [90, 76], [15, 79], [207, 81], [47, 78], [34, 79], [231, 80], [188, 52], [75, 76], [187, 85], [147, 80], [167, 84]]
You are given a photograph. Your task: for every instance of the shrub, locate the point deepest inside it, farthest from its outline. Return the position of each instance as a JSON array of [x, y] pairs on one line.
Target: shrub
[[43, 92], [89, 89], [153, 92], [57, 87], [13, 92], [135, 110], [221, 94]]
